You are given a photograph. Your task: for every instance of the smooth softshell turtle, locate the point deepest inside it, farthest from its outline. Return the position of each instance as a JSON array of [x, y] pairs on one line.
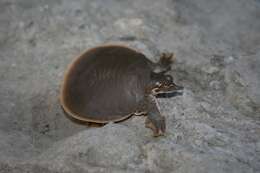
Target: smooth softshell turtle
[[111, 83]]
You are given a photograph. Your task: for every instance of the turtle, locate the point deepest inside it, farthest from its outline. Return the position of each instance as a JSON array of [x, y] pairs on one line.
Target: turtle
[[110, 83]]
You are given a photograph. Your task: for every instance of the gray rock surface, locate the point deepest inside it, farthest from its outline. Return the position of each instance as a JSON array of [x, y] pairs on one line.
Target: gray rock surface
[[213, 127]]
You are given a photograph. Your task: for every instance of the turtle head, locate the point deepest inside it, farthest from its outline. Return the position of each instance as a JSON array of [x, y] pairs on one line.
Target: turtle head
[[162, 83]]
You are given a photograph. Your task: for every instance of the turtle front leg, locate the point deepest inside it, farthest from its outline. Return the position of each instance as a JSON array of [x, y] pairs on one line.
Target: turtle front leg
[[155, 120]]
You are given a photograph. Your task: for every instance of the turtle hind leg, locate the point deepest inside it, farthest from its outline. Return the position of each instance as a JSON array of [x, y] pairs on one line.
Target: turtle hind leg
[[155, 121]]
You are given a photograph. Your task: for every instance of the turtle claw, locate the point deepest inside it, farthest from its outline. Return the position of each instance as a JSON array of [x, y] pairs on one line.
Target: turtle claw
[[167, 54], [157, 126]]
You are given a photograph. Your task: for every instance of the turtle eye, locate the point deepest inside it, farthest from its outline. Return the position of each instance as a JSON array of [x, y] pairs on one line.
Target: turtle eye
[[158, 83], [169, 78]]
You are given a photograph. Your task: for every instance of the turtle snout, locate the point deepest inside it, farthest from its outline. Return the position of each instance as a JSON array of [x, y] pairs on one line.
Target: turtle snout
[[177, 87], [172, 87], [170, 90]]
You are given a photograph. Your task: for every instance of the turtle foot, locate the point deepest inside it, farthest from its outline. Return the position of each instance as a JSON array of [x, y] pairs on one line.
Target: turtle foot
[[156, 125], [167, 58]]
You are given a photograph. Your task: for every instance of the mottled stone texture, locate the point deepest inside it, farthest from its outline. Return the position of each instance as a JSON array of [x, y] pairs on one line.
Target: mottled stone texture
[[214, 127]]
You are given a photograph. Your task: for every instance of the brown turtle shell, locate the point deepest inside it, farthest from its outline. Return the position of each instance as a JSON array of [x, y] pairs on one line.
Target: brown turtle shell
[[105, 83]]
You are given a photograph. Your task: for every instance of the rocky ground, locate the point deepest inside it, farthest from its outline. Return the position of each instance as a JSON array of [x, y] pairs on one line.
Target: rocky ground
[[213, 127]]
